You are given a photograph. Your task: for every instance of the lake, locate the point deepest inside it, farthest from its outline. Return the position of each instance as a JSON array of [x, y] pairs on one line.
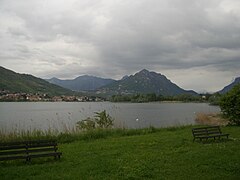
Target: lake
[[18, 116]]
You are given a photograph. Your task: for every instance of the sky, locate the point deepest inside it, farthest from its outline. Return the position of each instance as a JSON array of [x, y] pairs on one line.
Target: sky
[[194, 43]]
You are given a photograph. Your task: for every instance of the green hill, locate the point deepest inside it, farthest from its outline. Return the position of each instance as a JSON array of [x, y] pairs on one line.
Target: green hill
[[15, 82], [145, 82]]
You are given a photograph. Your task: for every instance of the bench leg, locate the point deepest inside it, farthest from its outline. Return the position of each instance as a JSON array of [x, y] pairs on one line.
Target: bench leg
[[57, 157], [28, 159]]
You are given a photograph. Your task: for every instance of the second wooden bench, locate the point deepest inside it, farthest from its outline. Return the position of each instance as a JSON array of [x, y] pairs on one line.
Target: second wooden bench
[[207, 133]]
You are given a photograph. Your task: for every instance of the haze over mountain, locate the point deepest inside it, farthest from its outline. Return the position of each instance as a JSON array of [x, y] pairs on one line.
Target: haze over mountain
[[144, 82], [230, 86], [15, 82], [81, 83]]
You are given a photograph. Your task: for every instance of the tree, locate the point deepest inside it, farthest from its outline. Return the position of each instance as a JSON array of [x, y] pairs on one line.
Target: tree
[[230, 105]]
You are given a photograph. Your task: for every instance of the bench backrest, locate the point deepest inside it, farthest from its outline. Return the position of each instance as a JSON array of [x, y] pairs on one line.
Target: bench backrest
[[206, 131]]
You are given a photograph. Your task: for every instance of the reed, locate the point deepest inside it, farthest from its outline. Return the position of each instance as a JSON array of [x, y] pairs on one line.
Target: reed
[[72, 134], [211, 119]]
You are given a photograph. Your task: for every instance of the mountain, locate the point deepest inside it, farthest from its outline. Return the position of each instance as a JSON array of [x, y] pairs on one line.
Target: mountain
[[230, 86], [82, 83], [124, 77], [15, 82], [144, 82]]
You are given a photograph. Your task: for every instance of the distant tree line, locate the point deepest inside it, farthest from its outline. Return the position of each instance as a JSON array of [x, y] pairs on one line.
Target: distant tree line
[[152, 97], [215, 99]]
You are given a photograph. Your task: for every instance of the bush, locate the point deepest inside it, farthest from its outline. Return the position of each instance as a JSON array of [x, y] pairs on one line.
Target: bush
[[86, 124], [230, 105], [102, 120]]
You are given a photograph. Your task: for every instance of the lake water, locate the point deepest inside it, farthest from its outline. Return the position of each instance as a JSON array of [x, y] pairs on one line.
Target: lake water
[[17, 116]]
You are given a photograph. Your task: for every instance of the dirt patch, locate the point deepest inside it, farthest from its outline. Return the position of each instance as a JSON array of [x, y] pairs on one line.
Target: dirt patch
[[211, 119]]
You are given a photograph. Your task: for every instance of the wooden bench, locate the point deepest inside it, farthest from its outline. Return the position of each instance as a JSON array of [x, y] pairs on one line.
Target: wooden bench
[[28, 150], [207, 133]]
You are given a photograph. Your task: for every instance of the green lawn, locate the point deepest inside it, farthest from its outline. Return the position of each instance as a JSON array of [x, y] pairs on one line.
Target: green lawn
[[165, 154]]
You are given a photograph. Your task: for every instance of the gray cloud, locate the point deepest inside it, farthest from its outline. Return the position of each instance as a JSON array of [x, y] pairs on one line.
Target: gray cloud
[[181, 39]]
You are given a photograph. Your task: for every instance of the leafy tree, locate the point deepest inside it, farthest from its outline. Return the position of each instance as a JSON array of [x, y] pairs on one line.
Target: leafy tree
[[230, 105]]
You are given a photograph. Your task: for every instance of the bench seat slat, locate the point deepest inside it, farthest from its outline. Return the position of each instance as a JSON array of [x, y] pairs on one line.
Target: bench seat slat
[[42, 150], [41, 145], [214, 132], [212, 136], [209, 127], [13, 157], [13, 147], [4, 153], [45, 154], [205, 134], [200, 132], [12, 143]]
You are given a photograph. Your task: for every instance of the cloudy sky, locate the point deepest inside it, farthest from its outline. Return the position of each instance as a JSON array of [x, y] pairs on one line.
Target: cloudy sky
[[195, 43]]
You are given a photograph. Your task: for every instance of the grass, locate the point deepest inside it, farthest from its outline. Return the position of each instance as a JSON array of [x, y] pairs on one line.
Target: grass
[[166, 153]]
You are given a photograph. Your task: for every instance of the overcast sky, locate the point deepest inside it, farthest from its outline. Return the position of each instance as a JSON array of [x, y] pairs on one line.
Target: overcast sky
[[195, 43]]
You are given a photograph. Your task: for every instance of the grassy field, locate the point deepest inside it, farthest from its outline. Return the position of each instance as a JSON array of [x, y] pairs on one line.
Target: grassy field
[[167, 153]]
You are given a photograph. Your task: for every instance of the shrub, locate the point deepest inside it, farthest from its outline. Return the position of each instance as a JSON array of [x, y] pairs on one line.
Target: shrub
[[230, 105], [102, 120], [86, 124]]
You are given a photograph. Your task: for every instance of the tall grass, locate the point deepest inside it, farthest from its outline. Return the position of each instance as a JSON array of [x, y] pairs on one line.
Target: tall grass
[[70, 135]]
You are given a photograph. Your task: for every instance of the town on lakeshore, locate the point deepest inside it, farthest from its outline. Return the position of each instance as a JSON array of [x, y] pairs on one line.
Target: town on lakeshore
[[34, 97]]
